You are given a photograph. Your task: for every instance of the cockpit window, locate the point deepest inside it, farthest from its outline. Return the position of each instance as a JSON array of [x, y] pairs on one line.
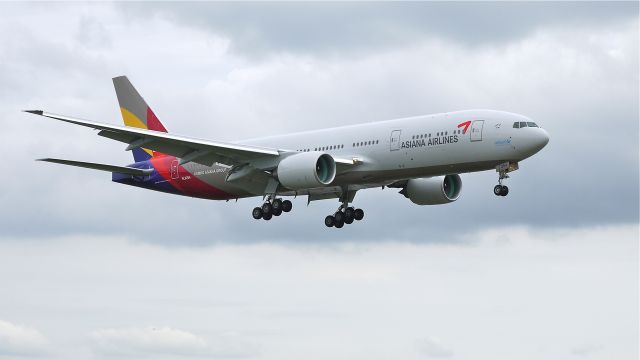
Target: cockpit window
[[532, 124], [516, 125], [523, 124]]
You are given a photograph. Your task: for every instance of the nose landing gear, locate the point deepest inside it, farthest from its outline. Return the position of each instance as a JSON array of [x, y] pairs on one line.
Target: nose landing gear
[[501, 190], [503, 169], [272, 207]]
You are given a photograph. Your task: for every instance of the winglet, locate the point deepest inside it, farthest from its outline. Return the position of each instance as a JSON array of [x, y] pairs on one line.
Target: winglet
[[37, 112]]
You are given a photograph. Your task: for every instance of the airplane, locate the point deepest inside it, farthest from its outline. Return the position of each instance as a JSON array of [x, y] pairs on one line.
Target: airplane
[[422, 156]]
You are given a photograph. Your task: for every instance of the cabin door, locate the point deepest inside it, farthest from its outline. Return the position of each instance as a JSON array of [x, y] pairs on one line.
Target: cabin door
[[476, 130], [174, 169], [395, 140]]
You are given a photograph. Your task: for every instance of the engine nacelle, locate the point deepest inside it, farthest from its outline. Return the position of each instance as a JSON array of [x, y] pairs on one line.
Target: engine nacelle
[[306, 170], [433, 190]]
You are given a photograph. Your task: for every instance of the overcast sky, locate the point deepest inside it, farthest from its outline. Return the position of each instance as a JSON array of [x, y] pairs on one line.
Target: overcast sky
[[93, 269]]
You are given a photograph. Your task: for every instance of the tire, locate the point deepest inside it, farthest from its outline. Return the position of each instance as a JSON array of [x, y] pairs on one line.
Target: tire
[[339, 224], [339, 216], [349, 213], [497, 190], [277, 204], [277, 212], [348, 219], [257, 213], [267, 208], [267, 216], [329, 221], [287, 206], [505, 191], [358, 214]]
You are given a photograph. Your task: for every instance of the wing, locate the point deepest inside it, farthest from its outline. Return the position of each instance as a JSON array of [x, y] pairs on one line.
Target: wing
[[187, 149]]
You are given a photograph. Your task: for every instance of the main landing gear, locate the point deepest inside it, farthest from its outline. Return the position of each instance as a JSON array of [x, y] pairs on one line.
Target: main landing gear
[[344, 215], [271, 207]]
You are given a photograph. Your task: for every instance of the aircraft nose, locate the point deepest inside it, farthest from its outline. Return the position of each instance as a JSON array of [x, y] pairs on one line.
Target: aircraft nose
[[532, 141], [543, 138]]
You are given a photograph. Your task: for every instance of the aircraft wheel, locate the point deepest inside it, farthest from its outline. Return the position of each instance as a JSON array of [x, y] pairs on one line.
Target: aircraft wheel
[[349, 213], [504, 191], [358, 214], [329, 221], [257, 213], [339, 224], [339, 216], [277, 204], [348, 219], [497, 190], [287, 206], [277, 211], [267, 216], [267, 208]]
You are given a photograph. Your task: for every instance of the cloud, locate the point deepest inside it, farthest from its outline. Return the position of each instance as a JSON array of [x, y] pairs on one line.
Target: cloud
[[166, 342], [19, 340], [494, 299], [586, 350], [337, 28], [434, 348]]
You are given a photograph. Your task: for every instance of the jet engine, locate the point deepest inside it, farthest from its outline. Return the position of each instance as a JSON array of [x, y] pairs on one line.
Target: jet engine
[[306, 170], [433, 190]]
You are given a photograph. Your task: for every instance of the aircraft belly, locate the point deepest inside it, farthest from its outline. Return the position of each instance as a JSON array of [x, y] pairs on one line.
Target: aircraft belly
[[215, 176]]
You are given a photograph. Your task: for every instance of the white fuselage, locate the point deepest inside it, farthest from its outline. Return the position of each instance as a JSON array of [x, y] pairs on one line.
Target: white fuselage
[[420, 146]]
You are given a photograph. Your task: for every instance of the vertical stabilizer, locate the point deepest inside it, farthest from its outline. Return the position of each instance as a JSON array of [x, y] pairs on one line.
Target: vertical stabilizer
[[136, 113]]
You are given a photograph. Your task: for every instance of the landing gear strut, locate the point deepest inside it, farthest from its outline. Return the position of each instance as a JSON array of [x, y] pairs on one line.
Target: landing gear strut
[[345, 215], [503, 169], [272, 207]]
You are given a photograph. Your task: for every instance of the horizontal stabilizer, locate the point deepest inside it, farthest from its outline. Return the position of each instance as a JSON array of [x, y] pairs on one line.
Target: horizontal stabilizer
[[103, 167]]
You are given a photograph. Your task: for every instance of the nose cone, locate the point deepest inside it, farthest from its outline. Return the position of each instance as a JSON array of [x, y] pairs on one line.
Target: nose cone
[[543, 138], [532, 141]]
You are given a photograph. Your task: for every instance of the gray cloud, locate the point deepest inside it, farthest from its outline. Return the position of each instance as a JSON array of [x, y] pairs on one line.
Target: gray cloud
[[259, 27]]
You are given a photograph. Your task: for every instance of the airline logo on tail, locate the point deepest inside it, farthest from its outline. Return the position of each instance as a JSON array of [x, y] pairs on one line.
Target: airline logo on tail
[[136, 113]]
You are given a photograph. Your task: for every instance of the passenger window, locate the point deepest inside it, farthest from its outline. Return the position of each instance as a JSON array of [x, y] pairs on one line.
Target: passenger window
[[516, 125], [523, 124]]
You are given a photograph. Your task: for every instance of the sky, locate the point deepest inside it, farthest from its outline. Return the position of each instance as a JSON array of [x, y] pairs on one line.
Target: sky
[[93, 269]]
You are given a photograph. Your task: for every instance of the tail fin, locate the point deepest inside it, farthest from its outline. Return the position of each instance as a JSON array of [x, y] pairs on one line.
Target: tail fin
[[136, 113]]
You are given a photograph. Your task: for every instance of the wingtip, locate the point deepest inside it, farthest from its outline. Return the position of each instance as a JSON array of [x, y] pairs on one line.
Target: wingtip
[[37, 112]]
